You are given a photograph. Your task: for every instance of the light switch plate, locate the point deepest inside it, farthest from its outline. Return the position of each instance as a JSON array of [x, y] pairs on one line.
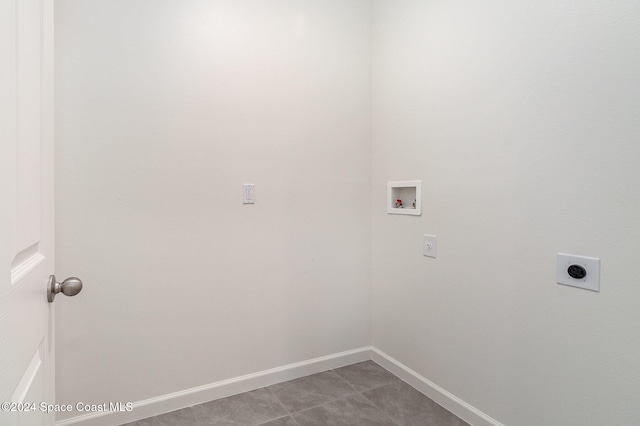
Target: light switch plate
[[591, 281]]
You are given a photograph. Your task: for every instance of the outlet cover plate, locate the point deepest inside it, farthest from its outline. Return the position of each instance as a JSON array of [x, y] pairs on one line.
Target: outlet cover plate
[[429, 245], [248, 193], [592, 264]]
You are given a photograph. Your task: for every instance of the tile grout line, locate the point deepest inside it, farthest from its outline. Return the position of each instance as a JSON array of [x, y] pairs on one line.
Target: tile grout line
[[291, 413], [352, 390], [355, 392], [361, 392], [294, 420], [386, 414], [268, 388], [373, 404], [278, 418]]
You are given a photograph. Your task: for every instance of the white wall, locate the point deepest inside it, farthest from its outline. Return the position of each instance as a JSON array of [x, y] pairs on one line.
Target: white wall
[[522, 121], [164, 109]]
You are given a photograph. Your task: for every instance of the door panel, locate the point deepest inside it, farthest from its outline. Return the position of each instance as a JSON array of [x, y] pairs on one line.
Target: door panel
[[26, 215], [29, 65]]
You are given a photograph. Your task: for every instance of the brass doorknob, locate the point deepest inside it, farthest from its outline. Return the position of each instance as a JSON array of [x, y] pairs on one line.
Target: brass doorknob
[[69, 287]]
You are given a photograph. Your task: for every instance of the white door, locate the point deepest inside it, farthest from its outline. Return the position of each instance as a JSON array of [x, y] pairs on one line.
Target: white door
[[26, 211]]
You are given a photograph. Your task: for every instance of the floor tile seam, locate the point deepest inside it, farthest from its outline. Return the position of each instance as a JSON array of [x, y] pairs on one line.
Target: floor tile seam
[[294, 419], [335, 373], [408, 384], [386, 413], [387, 416], [286, 410], [344, 379], [331, 399], [382, 410], [379, 386], [277, 418], [311, 408], [334, 399], [357, 390], [395, 379]]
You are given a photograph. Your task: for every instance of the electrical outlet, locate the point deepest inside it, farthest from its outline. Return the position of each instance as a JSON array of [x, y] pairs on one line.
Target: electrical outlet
[[578, 271], [248, 193], [429, 245]]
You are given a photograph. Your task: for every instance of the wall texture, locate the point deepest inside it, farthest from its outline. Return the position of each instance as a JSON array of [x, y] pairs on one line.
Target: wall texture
[[164, 109], [522, 121]]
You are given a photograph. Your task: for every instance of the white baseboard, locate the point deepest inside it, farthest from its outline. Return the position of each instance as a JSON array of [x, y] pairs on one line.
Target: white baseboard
[[198, 395], [447, 400]]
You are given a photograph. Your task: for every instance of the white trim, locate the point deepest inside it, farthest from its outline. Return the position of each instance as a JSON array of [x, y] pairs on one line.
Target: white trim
[[222, 389], [447, 400]]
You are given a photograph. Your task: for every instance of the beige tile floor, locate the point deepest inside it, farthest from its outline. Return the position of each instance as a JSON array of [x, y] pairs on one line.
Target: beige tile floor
[[359, 394]]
